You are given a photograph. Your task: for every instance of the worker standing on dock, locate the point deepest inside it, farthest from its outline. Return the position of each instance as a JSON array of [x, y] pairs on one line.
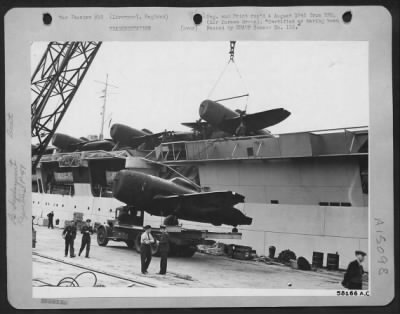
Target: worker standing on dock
[[69, 234], [86, 231], [50, 216], [146, 240], [163, 247], [353, 276]]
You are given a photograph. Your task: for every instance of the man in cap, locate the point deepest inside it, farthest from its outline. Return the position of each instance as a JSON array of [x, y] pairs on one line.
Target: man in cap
[[353, 276], [86, 231], [146, 240], [163, 247], [69, 234]]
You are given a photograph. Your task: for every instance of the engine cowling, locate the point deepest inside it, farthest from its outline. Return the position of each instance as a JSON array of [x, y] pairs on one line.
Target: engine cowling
[[64, 141], [123, 134], [214, 113]]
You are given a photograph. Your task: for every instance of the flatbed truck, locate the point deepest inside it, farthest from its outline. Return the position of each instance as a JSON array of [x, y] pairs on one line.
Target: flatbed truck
[[128, 227]]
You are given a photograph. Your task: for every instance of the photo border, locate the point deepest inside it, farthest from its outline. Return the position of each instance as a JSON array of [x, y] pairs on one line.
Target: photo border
[[22, 138]]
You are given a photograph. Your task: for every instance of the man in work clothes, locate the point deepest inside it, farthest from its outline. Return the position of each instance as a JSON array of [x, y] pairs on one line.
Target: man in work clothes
[[50, 223], [146, 239], [353, 276], [163, 247], [69, 234], [86, 231]]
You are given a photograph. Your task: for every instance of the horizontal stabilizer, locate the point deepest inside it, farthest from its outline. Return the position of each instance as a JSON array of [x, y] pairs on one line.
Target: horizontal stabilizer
[[147, 131], [256, 121], [137, 141], [195, 125]]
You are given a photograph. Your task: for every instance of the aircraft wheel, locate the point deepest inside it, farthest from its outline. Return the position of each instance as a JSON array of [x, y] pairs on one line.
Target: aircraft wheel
[[235, 230], [102, 236]]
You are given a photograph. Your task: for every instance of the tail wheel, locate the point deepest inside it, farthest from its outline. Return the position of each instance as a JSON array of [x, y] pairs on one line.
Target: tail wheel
[[102, 236]]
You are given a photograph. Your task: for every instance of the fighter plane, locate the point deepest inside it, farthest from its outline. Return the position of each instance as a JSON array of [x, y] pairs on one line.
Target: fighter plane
[[218, 117], [177, 198], [49, 150], [67, 143], [125, 136]]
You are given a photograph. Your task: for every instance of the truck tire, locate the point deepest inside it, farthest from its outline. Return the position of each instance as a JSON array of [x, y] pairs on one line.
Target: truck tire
[[137, 243], [184, 251], [130, 244], [154, 247], [190, 251], [102, 236]]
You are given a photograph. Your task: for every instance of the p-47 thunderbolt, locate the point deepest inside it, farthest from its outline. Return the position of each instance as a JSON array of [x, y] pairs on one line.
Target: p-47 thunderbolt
[[219, 117], [125, 136], [176, 198], [68, 143]]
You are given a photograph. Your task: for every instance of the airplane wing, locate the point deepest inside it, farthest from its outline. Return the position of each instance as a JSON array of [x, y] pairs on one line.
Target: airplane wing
[[137, 141], [204, 199], [209, 207], [256, 121], [198, 126]]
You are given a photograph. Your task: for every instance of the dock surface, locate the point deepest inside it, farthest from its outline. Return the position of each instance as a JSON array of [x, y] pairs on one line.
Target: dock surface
[[115, 265]]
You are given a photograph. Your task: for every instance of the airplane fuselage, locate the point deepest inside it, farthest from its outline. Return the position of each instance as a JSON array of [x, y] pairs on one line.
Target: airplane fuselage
[[138, 189], [123, 134], [162, 197], [214, 113]]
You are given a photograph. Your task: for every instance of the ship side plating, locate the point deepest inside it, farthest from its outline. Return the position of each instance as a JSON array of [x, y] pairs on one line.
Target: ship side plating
[[305, 191]]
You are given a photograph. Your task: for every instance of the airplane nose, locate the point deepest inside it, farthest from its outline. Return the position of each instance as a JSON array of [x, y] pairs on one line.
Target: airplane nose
[[113, 130], [127, 186], [122, 188], [286, 113], [203, 108]]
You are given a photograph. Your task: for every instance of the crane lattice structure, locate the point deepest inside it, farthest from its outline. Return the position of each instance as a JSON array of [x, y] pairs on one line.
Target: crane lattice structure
[[54, 84]]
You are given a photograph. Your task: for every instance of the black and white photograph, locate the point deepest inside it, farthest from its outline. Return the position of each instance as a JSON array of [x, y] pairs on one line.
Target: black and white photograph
[[237, 164], [225, 156]]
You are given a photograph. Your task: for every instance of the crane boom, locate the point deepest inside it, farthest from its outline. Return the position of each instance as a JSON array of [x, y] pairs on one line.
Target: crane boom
[[54, 84]]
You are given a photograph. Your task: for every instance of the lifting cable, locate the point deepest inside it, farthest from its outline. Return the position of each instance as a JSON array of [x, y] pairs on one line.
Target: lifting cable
[[231, 60]]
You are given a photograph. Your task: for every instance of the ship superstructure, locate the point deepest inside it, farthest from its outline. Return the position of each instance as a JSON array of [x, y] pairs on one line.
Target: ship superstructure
[[306, 191]]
